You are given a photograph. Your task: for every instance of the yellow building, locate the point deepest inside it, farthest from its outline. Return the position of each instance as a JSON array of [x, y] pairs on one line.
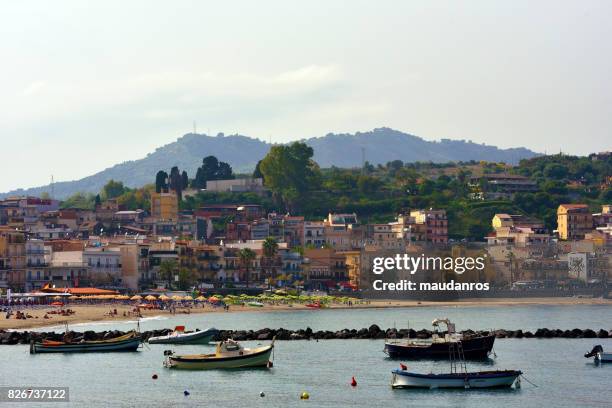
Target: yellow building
[[12, 259], [353, 267], [574, 221], [164, 206]]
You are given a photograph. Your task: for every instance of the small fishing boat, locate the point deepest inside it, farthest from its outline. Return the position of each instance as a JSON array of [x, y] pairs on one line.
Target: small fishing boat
[[478, 379], [474, 347], [314, 305], [598, 355], [458, 377], [228, 354], [128, 342], [180, 336], [255, 304]]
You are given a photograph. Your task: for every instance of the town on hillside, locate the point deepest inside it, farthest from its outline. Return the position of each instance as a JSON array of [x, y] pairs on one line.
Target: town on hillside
[[219, 233]]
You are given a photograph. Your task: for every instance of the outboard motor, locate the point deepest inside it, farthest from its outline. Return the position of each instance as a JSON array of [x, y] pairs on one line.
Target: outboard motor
[[592, 353]]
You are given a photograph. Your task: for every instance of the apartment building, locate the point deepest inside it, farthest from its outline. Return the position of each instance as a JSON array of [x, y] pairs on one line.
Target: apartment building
[[574, 221]]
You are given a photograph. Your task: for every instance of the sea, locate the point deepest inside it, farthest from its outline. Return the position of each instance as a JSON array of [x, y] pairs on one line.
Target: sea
[[555, 372]]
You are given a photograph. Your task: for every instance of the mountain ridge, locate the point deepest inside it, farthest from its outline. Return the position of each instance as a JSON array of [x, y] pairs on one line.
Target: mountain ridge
[[380, 145]]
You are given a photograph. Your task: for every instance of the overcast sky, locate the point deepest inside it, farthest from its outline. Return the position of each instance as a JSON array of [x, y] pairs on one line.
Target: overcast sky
[[87, 86]]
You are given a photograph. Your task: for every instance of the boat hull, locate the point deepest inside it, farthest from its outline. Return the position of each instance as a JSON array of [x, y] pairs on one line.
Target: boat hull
[[199, 337], [130, 344], [484, 379], [603, 357], [258, 359], [476, 348]]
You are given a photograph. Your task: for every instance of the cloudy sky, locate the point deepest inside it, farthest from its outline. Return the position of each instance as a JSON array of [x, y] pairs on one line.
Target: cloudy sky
[[86, 85]]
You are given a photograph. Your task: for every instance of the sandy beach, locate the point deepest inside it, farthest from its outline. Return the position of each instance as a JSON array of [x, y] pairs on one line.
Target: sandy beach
[[101, 312]]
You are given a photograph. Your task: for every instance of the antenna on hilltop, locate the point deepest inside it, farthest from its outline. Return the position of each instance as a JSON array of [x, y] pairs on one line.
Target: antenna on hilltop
[[52, 186], [194, 128]]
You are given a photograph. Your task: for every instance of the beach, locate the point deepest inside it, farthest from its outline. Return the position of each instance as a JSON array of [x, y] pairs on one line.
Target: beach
[[102, 312]]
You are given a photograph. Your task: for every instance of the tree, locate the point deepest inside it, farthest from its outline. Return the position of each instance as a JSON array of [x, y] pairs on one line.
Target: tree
[[270, 248], [246, 256], [79, 200], [184, 180], [257, 172], [161, 181], [606, 195], [554, 187], [167, 269], [290, 172], [212, 169], [176, 182], [113, 189], [555, 171], [368, 184], [186, 279]]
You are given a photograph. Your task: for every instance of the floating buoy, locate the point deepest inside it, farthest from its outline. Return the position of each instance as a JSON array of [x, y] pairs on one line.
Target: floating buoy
[[262, 394], [304, 395], [154, 376], [404, 367], [353, 382], [186, 393]]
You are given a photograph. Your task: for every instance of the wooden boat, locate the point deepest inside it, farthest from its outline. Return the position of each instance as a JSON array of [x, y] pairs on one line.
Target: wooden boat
[[478, 379], [474, 347], [180, 336], [598, 355], [228, 354], [458, 377], [128, 342]]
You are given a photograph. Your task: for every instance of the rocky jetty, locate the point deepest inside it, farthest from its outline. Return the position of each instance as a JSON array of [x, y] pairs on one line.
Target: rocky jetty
[[372, 332]]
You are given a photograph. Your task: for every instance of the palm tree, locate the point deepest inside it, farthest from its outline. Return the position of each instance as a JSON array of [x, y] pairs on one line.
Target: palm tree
[[167, 268], [246, 256], [270, 247]]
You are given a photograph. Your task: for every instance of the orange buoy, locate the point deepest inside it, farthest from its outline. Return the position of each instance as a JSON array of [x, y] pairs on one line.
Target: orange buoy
[[353, 382]]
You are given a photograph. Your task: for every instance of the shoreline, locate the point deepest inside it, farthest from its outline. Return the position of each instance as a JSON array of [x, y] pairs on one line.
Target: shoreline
[[100, 313]]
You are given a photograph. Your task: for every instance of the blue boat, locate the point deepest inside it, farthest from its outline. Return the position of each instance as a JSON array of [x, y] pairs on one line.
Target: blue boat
[[128, 342]]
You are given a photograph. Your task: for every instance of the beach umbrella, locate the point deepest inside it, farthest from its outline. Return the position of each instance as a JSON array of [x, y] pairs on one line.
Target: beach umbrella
[[213, 299], [150, 297], [136, 297], [164, 298], [57, 297], [177, 297], [200, 298], [189, 298]]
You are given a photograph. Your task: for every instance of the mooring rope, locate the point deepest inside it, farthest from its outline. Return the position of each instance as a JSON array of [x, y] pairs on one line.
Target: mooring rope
[[525, 378]]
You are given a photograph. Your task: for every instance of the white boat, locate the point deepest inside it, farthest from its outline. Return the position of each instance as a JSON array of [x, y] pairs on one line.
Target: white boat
[[180, 336], [599, 356], [458, 377], [478, 379], [228, 354]]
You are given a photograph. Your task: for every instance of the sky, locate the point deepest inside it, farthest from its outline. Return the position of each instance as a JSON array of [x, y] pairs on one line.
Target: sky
[[86, 85]]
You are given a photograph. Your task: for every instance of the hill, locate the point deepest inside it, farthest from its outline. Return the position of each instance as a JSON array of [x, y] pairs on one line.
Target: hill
[[242, 153]]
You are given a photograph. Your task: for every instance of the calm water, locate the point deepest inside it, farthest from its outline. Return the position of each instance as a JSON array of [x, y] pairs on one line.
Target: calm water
[[324, 368]]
